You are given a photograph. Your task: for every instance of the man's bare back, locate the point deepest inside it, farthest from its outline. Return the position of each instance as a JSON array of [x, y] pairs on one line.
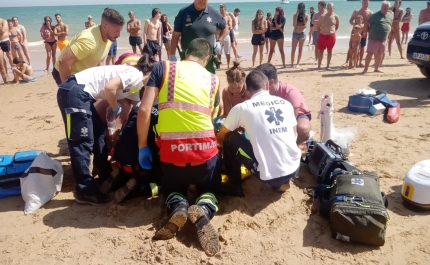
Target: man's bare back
[[63, 29], [4, 29], [152, 29], [329, 23], [228, 21], [424, 16]]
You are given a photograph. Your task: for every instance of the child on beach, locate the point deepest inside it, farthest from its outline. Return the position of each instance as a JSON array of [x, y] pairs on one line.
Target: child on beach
[[22, 70], [358, 21], [235, 93], [354, 46]]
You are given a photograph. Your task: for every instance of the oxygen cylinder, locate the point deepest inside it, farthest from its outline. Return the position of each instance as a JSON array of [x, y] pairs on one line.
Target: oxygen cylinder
[[326, 115]]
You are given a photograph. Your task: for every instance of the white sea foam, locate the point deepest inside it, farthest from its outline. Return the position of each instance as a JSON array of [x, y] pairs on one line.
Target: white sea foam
[[35, 43]]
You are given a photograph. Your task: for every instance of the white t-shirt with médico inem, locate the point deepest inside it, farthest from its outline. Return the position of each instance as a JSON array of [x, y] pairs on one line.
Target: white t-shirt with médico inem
[[269, 122], [95, 79]]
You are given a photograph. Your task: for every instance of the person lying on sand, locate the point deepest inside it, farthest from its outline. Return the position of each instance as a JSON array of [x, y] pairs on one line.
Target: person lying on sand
[[22, 70]]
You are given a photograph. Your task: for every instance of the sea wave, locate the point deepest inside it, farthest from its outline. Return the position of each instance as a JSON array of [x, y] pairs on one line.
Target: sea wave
[[35, 43]]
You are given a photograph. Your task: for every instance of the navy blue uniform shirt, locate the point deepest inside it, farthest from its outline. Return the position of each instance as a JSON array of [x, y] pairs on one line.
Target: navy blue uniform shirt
[[198, 24]]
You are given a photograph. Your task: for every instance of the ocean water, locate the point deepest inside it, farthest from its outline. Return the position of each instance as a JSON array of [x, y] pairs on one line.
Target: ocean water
[[75, 16]]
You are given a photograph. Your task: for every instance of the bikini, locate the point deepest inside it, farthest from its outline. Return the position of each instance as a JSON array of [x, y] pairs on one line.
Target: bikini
[[15, 44]]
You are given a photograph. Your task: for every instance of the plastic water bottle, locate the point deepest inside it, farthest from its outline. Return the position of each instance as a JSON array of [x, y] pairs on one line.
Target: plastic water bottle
[[111, 126]]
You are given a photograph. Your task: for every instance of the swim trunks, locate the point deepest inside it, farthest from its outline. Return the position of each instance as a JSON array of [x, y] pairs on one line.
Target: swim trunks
[[376, 46], [152, 47], [135, 41], [231, 36], [226, 44], [5, 45], [326, 41], [62, 44], [363, 42], [113, 49], [297, 36], [315, 35]]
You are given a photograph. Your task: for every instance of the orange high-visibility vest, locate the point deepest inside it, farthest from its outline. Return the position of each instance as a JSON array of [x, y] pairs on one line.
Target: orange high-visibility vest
[[185, 104]]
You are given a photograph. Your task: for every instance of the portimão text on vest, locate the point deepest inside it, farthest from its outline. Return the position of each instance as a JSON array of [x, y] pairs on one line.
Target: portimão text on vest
[[194, 146]]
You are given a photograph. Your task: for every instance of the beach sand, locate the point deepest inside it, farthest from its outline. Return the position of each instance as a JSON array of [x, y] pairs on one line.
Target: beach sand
[[262, 228]]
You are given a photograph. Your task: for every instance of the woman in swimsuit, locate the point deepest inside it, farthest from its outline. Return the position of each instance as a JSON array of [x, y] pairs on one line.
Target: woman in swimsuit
[[259, 28], [269, 31], [23, 70], [235, 93], [22, 30], [300, 20], [406, 25], [15, 38], [167, 32], [47, 34], [277, 35], [398, 14]]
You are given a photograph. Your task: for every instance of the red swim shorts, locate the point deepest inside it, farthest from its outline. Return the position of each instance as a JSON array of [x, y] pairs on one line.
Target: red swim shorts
[[326, 41]]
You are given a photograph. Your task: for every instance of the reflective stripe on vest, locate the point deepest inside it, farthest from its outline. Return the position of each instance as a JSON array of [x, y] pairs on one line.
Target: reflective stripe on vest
[[186, 100]]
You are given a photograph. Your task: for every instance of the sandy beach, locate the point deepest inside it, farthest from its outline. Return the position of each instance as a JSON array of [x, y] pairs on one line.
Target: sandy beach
[[262, 228]]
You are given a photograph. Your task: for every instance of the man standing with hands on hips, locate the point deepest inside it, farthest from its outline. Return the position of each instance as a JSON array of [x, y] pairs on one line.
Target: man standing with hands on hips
[[199, 20]]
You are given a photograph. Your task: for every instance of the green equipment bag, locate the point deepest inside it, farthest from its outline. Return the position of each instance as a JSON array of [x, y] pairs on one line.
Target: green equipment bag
[[357, 208]]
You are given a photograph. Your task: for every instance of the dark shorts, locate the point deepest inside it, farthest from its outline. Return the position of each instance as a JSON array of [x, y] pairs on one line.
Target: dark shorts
[[276, 35], [166, 40], [257, 39], [268, 34], [113, 49], [231, 36], [56, 76], [363, 42], [152, 47], [206, 177], [304, 116], [5, 46], [135, 41]]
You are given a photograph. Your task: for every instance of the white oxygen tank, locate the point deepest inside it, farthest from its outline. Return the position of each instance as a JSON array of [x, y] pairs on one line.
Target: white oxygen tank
[[326, 114]]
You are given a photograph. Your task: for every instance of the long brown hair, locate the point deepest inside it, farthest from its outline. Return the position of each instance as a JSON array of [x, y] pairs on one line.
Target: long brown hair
[[258, 23]]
